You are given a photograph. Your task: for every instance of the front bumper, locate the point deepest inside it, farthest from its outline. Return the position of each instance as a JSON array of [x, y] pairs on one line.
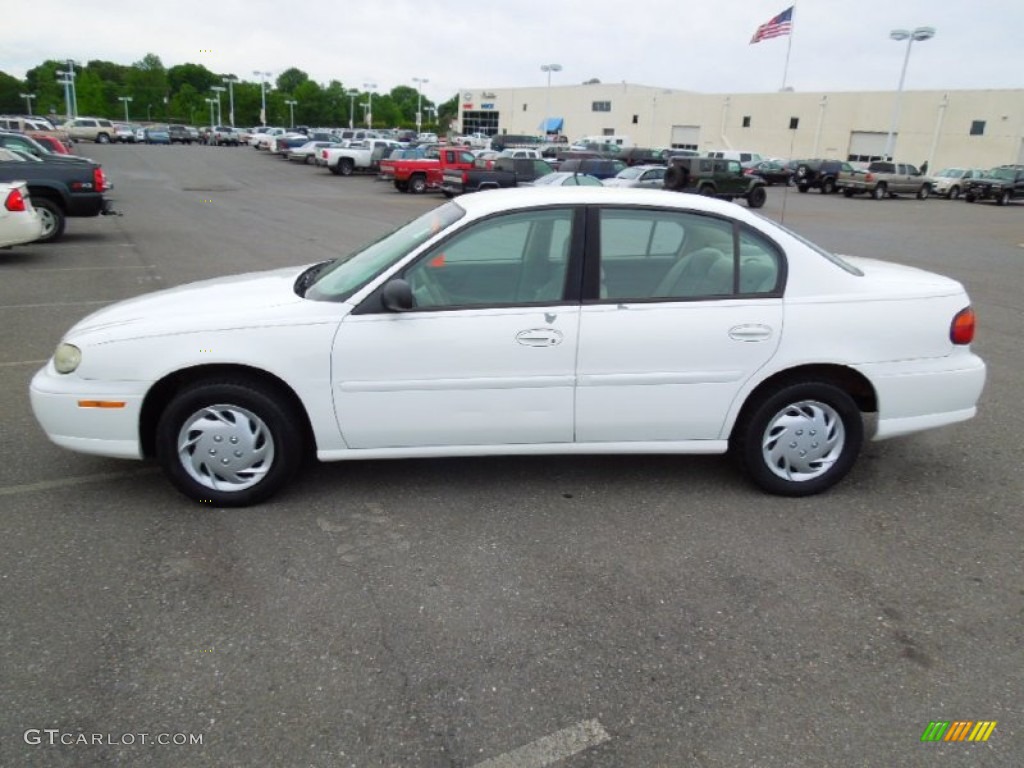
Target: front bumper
[[61, 406]]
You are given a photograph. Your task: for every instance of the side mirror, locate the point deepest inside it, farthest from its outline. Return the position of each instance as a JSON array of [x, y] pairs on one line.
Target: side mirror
[[396, 296]]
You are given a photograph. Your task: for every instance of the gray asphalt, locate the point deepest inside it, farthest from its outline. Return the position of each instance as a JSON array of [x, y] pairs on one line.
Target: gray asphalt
[[447, 612]]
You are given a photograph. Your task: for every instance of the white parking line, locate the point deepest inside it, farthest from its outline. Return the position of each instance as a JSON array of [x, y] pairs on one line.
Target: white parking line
[[84, 269], [550, 749], [22, 362], [56, 304], [46, 485]]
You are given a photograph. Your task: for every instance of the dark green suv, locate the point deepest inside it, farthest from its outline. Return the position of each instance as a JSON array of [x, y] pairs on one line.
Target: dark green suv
[[715, 177]]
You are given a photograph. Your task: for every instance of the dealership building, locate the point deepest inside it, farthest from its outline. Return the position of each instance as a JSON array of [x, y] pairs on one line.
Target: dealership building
[[968, 128]]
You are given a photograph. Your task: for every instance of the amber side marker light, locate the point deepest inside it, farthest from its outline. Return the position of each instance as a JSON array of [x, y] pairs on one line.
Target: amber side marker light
[[101, 403], [961, 330]]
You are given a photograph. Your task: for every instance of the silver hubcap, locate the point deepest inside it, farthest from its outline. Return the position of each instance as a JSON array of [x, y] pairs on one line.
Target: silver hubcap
[[803, 441], [49, 221], [225, 448]]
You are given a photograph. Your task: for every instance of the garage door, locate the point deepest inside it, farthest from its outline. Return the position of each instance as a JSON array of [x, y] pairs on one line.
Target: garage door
[[685, 136], [866, 146]]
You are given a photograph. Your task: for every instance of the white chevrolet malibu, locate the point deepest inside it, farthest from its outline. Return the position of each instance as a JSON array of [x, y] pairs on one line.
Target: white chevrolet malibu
[[529, 321]]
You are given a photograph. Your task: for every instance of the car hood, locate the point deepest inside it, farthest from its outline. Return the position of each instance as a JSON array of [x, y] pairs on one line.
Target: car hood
[[255, 299]]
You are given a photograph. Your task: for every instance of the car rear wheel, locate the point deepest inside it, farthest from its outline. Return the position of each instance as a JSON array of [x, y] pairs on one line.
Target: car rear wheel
[[707, 190], [757, 197], [954, 192], [346, 166], [801, 439], [229, 443], [828, 186], [879, 192], [847, 192], [52, 217], [102, 139], [418, 184], [923, 192]]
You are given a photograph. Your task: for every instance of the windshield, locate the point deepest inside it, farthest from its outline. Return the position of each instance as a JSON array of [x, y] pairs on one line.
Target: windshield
[[1006, 174], [343, 277], [951, 173]]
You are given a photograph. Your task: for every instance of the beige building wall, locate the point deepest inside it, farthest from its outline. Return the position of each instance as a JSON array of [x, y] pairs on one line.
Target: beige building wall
[[933, 125]]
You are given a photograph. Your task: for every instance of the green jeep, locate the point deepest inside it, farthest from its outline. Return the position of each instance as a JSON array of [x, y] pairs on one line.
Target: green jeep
[[715, 177]]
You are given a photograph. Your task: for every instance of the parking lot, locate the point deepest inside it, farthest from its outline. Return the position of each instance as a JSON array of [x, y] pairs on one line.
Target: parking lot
[[587, 611]]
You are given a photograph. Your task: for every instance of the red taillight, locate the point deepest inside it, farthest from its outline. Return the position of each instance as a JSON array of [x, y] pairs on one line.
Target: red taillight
[[15, 201], [99, 181], [961, 330]]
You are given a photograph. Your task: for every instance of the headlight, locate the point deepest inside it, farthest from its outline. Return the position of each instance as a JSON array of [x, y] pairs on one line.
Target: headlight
[[66, 358]]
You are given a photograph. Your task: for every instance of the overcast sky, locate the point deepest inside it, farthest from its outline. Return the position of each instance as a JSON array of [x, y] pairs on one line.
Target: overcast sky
[[837, 45]]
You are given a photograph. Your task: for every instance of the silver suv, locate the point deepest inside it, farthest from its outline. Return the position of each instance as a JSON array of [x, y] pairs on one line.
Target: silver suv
[[91, 129]]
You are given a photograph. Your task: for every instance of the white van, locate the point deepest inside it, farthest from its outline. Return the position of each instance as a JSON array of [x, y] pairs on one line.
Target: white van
[[736, 154], [619, 140]]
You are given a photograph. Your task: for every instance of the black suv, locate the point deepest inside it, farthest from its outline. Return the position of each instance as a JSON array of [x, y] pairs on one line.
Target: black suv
[[179, 134], [715, 177], [816, 174], [598, 167], [1002, 184]]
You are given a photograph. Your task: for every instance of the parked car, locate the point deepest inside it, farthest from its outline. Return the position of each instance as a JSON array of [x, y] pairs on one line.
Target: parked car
[[53, 144], [497, 324], [599, 167], [639, 176], [740, 155], [35, 127], [19, 142], [179, 134], [1002, 184], [883, 178], [308, 152], [642, 156], [124, 133], [949, 182], [224, 135], [95, 129], [772, 171], [418, 174], [714, 177], [567, 179], [503, 172], [20, 222], [157, 134], [818, 174]]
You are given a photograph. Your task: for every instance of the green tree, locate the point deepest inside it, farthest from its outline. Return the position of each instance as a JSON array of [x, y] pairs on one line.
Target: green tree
[[291, 79], [42, 81], [147, 83], [446, 112], [11, 89], [90, 95], [187, 105], [195, 75]]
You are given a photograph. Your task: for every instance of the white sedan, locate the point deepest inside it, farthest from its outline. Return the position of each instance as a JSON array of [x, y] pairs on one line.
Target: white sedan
[[537, 321], [20, 222]]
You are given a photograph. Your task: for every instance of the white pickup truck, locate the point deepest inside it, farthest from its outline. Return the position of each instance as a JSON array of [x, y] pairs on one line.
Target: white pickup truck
[[357, 156]]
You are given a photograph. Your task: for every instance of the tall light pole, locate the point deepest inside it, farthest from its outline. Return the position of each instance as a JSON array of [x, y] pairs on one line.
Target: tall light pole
[[211, 102], [419, 101], [549, 68], [231, 80], [918, 34], [66, 79], [352, 93], [263, 93], [218, 89], [369, 103], [28, 101], [821, 118], [291, 110], [125, 100]]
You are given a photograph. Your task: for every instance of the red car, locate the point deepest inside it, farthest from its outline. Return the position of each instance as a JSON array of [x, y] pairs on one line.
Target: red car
[[53, 144]]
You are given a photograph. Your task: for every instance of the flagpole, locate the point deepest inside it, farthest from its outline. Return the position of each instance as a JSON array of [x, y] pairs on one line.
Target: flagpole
[[789, 45]]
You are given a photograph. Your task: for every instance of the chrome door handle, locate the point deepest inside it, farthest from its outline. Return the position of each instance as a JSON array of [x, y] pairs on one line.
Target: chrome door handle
[[750, 333], [539, 337]]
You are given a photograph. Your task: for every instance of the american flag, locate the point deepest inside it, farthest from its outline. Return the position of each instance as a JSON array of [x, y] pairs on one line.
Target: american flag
[[777, 27]]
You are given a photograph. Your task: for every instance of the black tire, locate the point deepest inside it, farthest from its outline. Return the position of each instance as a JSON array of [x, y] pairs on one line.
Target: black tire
[[417, 184], [828, 186], [53, 219], [247, 415], [969, 197], [708, 190], [102, 138], [923, 192], [757, 197], [847, 192], [879, 192], [802, 187], [676, 177], [1004, 197], [954, 192], [347, 166], [334, 169], [778, 432]]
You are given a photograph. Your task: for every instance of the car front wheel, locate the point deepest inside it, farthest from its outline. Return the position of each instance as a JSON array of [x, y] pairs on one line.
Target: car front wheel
[[879, 192], [229, 443], [757, 197], [801, 439]]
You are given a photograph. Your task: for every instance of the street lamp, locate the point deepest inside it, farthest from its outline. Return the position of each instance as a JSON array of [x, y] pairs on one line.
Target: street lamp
[[291, 110], [28, 100], [211, 102], [218, 89], [549, 68], [125, 99], [231, 80], [263, 93], [369, 104], [352, 93], [419, 101], [67, 79], [919, 34]]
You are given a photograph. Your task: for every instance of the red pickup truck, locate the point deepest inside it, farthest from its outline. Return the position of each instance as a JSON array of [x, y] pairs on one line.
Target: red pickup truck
[[420, 174]]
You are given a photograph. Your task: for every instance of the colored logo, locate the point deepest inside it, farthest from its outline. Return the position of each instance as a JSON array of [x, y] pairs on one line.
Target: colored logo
[[958, 730]]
